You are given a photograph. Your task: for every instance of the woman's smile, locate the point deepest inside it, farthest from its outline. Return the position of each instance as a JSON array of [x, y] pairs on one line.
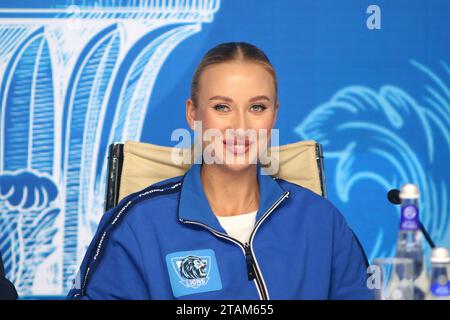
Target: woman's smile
[[237, 146]]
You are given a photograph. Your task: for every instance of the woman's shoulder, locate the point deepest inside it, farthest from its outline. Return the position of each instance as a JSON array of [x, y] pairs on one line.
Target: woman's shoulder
[[312, 205], [303, 195], [162, 195], [160, 188], [298, 189]]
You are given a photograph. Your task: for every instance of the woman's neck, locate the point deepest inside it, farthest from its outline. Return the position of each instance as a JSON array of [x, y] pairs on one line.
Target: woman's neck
[[230, 192]]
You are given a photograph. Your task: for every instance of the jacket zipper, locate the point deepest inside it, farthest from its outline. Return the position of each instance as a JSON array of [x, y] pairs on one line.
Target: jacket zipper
[[253, 271]]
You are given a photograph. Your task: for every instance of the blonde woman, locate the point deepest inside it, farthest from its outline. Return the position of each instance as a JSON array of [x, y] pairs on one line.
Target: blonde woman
[[226, 230]]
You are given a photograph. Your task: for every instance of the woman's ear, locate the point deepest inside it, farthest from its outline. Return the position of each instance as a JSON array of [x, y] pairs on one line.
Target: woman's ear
[[190, 113]]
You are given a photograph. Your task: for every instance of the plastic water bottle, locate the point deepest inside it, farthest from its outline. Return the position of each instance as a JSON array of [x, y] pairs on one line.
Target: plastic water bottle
[[409, 241], [440, 283]]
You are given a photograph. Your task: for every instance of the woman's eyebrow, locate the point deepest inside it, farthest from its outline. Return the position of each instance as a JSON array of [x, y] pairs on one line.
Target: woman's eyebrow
[[262, 97], [221, 98], [259, 98]]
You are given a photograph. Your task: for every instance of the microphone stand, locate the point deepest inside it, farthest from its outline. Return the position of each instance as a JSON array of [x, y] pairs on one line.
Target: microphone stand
[[394, 198]]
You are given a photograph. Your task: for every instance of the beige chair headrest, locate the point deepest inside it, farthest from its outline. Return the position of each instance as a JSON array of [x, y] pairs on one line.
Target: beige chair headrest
[[145, 164]]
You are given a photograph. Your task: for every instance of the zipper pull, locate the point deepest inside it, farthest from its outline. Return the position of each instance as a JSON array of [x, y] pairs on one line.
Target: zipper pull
[[250, 262]]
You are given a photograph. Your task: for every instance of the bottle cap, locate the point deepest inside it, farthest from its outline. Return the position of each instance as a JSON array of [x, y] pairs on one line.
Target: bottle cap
[[440, 255], [409, 191]]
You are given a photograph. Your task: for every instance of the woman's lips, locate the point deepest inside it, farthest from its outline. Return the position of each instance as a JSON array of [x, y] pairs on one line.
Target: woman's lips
[[237, 148]]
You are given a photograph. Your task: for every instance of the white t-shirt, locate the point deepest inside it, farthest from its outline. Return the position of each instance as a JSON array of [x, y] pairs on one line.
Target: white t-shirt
[[240, 226]]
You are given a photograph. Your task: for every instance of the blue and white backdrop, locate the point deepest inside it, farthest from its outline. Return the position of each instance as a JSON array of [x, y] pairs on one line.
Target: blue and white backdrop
[[370, 80]]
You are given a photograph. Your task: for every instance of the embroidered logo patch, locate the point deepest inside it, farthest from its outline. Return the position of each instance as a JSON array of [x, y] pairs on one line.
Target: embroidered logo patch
[[193, 272]]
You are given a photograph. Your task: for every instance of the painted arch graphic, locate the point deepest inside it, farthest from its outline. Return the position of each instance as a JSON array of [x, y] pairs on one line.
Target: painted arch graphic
[[73, 79]]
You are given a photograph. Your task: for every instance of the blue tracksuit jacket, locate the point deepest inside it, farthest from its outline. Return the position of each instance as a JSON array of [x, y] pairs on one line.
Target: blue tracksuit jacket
[[164, 242]]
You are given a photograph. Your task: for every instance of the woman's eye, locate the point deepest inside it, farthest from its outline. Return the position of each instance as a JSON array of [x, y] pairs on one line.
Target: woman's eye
[[258, 108], [221, 107]]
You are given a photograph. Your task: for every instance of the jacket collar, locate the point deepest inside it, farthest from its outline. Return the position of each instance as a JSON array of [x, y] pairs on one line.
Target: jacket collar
[[193, 205]]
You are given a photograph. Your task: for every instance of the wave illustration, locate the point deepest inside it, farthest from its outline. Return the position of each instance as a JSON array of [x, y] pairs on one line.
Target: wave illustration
[[388, 137]]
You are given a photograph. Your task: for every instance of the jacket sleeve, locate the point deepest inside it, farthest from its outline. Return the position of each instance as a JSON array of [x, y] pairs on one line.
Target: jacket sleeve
[[7, 289], [349, 264], [113, 265]]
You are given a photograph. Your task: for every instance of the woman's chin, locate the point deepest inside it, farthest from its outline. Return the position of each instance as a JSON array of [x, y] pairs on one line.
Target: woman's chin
[[237, 167], [240, 162]]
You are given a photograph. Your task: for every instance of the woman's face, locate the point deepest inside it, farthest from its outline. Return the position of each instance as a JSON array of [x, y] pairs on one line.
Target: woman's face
[[237, 100]]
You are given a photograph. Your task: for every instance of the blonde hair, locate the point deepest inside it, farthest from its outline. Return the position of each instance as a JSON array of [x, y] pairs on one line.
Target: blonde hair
[[230, 51]]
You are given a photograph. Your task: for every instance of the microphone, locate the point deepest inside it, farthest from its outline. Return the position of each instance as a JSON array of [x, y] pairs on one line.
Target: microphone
[[394, 198]]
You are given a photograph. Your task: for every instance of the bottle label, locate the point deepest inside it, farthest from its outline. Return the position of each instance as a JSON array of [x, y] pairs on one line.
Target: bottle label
[[440, 290], [409, 218]]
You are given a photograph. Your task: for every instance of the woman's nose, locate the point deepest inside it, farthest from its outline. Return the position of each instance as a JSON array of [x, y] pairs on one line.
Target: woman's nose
[[240, 121]]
